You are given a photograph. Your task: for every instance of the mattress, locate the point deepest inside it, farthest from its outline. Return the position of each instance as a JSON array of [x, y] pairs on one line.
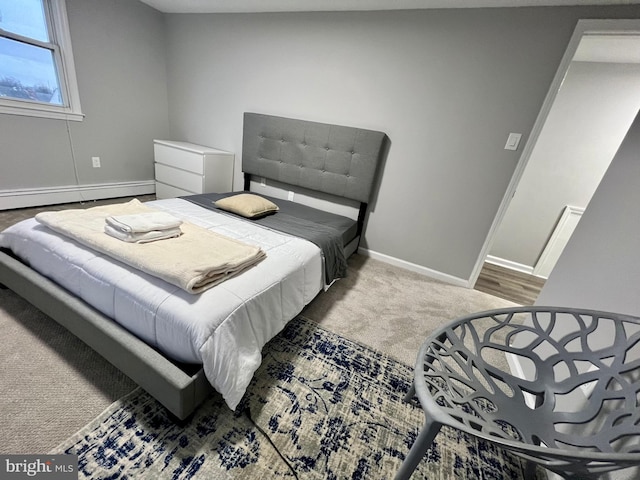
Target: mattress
[[223, 328]]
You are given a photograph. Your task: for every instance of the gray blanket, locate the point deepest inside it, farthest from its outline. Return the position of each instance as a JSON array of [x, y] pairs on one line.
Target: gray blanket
[[290, 219]]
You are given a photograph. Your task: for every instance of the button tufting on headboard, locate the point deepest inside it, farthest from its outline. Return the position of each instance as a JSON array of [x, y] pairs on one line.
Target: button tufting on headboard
[[334, 159]]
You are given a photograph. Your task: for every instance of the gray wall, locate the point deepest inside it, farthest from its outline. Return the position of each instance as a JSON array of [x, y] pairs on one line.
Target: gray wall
[[600, 266], [589, 119], [447, 86], [119, 51]]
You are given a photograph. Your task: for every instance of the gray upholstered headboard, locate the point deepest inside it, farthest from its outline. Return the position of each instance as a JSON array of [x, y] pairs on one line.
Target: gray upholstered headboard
[[333, 159]]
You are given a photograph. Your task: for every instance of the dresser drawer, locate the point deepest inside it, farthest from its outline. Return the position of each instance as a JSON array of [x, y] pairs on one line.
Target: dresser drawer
[[178, 158], [176, 177], [190, 169]]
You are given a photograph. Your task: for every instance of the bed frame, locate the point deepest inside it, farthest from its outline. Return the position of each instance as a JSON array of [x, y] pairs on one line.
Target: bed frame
[[340, 161]]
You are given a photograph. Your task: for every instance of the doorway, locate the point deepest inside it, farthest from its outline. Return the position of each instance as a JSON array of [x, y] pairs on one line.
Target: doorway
[[593, 41]]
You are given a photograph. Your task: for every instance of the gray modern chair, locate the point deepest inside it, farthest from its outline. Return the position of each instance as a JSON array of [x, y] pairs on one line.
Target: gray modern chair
[[558, 387]]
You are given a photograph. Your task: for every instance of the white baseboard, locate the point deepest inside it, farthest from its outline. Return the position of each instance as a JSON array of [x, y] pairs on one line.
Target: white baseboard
[[427, 272], [501, 262], [33, 197]]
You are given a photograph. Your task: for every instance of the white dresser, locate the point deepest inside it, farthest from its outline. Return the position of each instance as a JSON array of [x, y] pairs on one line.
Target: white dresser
[[185, 169]]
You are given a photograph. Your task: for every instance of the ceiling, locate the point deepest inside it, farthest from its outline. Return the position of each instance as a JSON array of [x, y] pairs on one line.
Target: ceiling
[[608, 49], [221, 6], [597, 48]]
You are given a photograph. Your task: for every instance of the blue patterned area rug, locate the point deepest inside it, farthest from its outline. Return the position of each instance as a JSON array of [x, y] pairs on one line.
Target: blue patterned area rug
[[320, 407]]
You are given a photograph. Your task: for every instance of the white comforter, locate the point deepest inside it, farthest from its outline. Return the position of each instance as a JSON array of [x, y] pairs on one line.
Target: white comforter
[[223, 328]]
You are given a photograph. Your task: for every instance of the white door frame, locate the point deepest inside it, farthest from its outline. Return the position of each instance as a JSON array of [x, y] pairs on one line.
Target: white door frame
[[583, 27]]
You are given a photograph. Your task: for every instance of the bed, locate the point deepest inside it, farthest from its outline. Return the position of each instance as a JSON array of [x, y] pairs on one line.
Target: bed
[[181, 346]]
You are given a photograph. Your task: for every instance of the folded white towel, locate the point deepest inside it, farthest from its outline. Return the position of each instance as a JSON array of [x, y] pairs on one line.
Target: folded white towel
[[143, 222], [142, 237]]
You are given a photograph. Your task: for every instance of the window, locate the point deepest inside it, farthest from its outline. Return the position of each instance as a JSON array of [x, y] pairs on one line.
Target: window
[[37, 75]]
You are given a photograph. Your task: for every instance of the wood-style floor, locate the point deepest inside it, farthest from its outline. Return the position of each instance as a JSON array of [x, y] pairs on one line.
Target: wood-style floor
[[509, 284]]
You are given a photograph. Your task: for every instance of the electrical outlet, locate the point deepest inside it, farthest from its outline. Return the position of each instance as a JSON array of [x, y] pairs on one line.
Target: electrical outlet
[[96, 162]]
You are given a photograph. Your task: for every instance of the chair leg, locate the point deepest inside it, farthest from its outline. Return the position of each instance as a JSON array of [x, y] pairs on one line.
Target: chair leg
[[411, 393], [419, 448]]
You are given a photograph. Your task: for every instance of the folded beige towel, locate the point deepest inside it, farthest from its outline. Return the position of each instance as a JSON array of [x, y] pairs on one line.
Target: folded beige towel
[[143, 222], [142, 237], [195, 261]]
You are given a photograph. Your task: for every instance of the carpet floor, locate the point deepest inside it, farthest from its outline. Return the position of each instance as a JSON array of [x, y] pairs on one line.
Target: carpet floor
[[52, 383]]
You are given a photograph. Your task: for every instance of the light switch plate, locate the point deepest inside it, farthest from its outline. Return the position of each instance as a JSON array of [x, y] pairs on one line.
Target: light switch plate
[[513, 141]]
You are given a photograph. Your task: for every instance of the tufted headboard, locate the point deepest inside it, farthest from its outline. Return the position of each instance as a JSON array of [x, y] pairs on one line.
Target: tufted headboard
[[333, 159]]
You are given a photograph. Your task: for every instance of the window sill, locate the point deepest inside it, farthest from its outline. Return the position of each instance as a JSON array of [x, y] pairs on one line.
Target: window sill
[[57, 113]]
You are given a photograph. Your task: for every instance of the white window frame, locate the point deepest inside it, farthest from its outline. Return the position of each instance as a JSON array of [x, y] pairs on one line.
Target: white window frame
[[56, 14]]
